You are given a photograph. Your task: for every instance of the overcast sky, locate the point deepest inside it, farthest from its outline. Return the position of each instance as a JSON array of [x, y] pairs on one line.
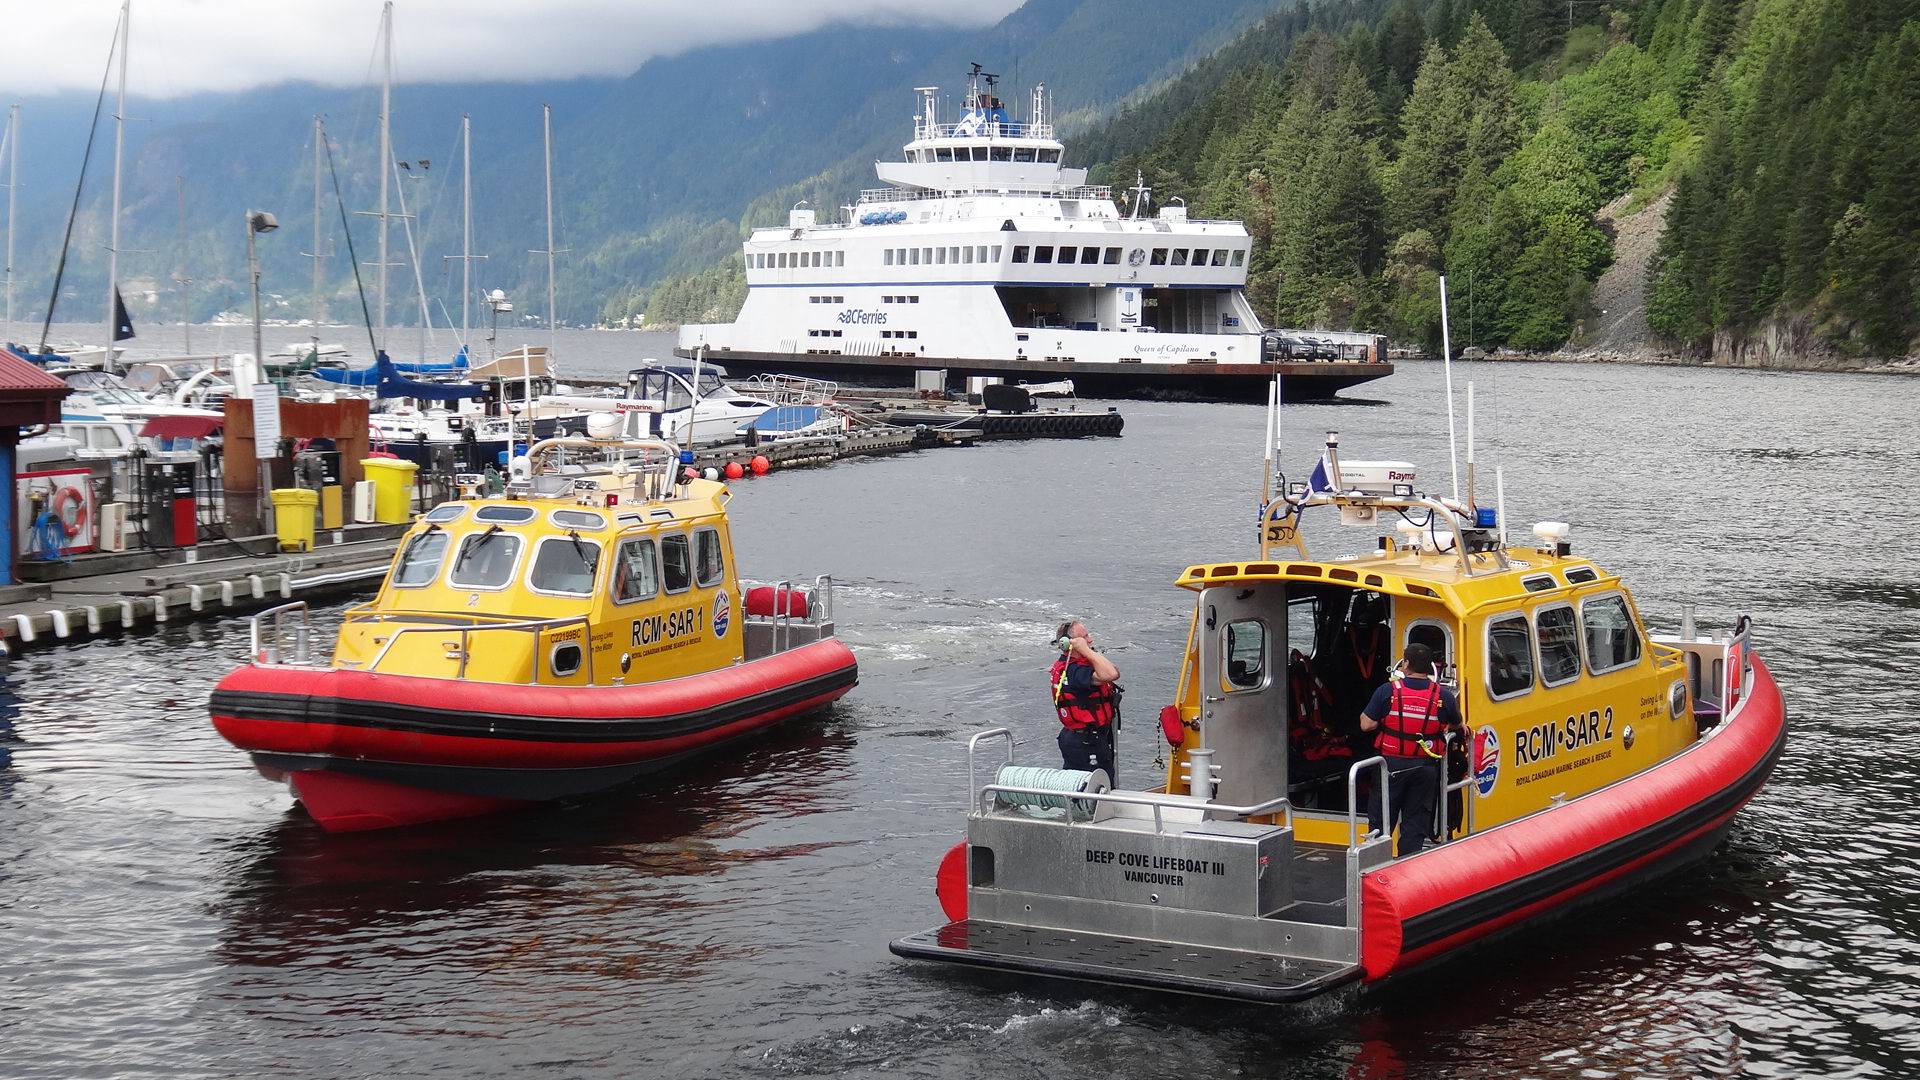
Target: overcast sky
[[188, 46]]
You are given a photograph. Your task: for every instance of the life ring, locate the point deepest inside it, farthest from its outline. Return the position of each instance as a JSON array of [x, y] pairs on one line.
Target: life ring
[[78, 521]]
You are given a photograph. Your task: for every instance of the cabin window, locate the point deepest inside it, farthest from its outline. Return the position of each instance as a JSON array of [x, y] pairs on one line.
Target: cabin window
[[1049, 157], [1069, 254], [913, 256], [888, 260], [1509, 657], [1559, 644], [1019, 253], [1303, 621], [486, 560], [709, 565], [676, 565], [1089, 256], [1111, 257], [445, 512], [996, 253], [1002, 153], [1043, 253], [839, 258], [1537, 583], [940, 256], [1220, 257], [1246, 654], [635, 575], [1199, 256], [926, 256], [505, 515], [779, 260], [980, 253], [966, 254], [1580, 575], [1179, 256], [1239, 256], [1434, 636], [953, 254], [565, 565], [1613, 641], [1159, 257], [944, 153], [421, 562], [577, 519], [1023, 153]]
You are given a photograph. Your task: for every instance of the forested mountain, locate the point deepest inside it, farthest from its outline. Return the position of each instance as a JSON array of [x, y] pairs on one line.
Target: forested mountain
[[1372, 147], [655, 174]]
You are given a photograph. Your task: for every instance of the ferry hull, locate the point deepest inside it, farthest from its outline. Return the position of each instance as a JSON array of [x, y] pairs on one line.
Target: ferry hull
[[1301, 381], [365, 751], [1434, 905]]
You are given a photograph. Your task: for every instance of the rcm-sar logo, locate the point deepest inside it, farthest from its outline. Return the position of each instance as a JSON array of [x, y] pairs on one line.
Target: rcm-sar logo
[[722, 613], [1486, 760]]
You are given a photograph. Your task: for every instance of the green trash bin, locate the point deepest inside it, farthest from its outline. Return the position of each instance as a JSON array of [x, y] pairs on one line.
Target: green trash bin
[[293, 512], [392, 489]]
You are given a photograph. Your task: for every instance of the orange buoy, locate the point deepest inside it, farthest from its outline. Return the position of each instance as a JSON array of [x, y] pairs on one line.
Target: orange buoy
[[734, 471], [760, 464]]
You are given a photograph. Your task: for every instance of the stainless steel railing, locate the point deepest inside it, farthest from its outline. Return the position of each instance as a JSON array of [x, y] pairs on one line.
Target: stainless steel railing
[[461, 651]]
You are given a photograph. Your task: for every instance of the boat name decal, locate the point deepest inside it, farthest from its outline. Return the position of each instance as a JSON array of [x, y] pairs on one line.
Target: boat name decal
[[671, 626], [857, 316], [1165, 350], [1544, 741], [1146, 869]]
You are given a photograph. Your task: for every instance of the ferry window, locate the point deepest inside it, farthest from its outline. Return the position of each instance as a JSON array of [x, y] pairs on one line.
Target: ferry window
[[913, 256], [943, 154], [635, 575], [1002, 153], [953, 254], [486, 560], [1246, 654], [926, 256], [996, 253], [564, 564], [1220, 257], [708, 564], [1043, 254], [1023, 153], [1613, 642], [1019, 253], [1509, 657], [676, 569], [1179, 256], [980, 253], [1069, 254], [888, 261], [940, 255], [1111, 257], [780, 261], [913, 299], [1579, 575], [1199, 256], [839, 258], [1050, 156], [1559, 645], [966, 254], [1537, 583], [1089, 255], [1239, 256], [1159, 256], [421, 563]]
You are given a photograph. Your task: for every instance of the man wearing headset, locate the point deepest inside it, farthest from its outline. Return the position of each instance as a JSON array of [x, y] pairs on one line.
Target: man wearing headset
[[1087, 700], [1411, 716]]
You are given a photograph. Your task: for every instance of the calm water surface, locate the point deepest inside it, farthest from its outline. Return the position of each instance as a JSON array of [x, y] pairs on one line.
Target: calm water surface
[[165, 912]]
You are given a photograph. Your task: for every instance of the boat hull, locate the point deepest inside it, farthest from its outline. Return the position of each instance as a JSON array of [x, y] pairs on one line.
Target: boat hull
[[1301, 380], [366, 751]]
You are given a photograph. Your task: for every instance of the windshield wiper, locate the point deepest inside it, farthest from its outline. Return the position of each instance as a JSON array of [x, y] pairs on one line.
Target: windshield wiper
[[470, 549]]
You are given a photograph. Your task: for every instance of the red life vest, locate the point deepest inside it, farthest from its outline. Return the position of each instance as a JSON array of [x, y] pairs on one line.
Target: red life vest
[[1311, 733], [1412, 726], [1077, 710]]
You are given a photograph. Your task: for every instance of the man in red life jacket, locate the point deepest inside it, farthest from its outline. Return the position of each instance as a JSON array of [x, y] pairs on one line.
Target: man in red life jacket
[[1411, 717], [1087, 700]]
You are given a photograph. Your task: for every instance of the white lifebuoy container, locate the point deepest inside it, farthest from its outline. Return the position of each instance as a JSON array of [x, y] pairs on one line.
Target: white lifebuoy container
[[66, 496]]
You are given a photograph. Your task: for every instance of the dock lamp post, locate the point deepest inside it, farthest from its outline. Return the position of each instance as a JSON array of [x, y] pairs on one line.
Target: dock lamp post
[[258, 221]]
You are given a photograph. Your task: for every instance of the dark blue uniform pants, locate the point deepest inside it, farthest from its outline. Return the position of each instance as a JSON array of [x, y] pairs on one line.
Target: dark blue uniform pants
[[1413, 786], [1089, 748]]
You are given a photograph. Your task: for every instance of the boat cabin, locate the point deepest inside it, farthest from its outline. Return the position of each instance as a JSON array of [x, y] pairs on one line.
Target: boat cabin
[[584, 573]]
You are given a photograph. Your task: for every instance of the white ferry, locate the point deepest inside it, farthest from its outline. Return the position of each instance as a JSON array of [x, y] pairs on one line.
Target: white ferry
[[986, 256]]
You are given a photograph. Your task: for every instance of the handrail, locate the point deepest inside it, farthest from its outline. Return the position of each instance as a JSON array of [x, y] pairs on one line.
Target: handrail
[[463, 654], [1158, 802], [974, 743], [1353, 798], [274, 616]]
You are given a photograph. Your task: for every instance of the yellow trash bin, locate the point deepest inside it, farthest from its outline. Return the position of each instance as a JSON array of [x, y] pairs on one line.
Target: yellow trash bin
[[293, 517], [392, 489]]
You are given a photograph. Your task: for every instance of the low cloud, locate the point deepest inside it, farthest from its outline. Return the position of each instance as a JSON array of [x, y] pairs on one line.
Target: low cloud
[[192, 46]]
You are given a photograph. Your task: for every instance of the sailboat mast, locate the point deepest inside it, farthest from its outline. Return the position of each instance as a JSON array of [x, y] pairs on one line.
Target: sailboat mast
[[553, 334], [13, 185], [466, 222], [386, 158], [180, 279], [119, 148], [319, 237]]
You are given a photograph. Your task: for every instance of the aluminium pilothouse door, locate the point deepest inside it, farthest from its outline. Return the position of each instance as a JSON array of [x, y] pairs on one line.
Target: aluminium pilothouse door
[[1243, 689]]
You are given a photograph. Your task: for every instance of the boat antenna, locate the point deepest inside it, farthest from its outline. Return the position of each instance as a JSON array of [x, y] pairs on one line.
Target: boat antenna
[[1446, 361], [66, 242], [119, 146], [12, 143], [366, 315]]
